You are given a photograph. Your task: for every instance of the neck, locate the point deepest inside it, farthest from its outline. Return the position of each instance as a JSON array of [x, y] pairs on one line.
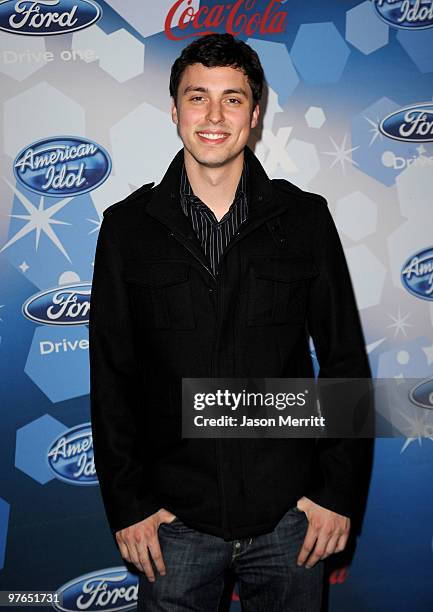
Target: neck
[[216, 187]]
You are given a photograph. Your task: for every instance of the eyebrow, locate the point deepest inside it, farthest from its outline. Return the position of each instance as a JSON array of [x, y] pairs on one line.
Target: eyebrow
[[238, 90]]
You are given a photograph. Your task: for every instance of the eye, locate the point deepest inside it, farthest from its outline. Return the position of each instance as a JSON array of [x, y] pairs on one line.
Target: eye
[[235, 100], [196, 98]]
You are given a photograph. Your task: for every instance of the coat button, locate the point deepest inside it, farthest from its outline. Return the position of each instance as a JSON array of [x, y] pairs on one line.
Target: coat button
[[210, 290]]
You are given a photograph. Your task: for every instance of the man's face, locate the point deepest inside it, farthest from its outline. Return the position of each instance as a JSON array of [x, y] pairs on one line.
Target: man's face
[[213, 113]]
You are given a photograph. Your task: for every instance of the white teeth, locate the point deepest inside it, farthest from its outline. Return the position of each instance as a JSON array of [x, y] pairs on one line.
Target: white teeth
[[212, 136]]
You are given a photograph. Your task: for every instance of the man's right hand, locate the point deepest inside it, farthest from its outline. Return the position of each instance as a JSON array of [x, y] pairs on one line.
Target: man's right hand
[[137, 540]]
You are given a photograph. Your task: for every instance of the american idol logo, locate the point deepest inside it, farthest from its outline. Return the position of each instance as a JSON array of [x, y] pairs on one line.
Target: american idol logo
[[113, 588], [64, 165], [66, 305], [411, 124], [70, 456], [408, 14], [422, 394], [417, 274], [45, 17]]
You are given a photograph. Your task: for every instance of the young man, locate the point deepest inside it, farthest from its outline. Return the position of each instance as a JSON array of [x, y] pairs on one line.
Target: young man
[[219, 272]]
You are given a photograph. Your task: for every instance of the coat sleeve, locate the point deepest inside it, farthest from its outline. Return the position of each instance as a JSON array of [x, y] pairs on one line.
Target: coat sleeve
[[116, 379], [334, 324]]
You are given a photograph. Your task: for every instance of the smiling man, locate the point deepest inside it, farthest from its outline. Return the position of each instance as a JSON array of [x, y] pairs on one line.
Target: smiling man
[[219, 271]]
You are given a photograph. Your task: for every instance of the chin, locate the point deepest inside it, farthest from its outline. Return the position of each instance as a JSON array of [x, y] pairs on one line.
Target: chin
[[213, 159]]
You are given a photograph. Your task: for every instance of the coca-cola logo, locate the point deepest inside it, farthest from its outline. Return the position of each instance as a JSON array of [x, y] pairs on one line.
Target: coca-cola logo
[[236, 18]]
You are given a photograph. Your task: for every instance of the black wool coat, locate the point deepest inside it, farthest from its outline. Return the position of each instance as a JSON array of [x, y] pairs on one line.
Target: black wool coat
[[158, 314]]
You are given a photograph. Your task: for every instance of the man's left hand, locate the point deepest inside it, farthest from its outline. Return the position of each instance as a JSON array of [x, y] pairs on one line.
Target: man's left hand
[[327, 532]]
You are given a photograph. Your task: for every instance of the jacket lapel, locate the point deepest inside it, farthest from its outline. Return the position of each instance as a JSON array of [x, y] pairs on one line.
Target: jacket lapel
[[164, 204]]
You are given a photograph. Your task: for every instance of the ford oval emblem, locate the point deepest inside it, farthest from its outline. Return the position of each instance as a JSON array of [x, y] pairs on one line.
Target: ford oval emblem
[[407, 14], [70, 456], [417, 274], [411, 124], [62, 166], [113, 588], [65, 305], [43, 18], [422, 394]]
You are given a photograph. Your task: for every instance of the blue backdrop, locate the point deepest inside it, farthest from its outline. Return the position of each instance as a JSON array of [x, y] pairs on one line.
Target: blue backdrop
[[348, 113]]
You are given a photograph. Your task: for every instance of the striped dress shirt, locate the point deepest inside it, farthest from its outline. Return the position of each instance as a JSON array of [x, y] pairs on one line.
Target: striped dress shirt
[[214, 235]]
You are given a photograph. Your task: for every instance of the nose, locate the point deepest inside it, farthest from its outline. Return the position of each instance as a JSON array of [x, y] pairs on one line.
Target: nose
[[214, 114]]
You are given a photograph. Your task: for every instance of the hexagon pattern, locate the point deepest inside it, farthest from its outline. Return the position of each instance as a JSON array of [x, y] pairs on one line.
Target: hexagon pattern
[[356, 215], [32, 443], [364, 30], [319, 53]]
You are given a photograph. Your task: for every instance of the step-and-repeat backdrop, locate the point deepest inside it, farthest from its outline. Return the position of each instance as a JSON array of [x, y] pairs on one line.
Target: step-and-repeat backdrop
[[348, 113]]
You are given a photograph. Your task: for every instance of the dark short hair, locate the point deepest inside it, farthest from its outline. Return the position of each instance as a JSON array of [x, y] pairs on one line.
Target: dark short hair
[[220, 50]]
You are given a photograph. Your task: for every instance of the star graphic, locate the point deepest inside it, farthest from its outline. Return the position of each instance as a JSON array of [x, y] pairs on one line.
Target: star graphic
[[421, 150], [399, 323], [373, 345], [38, 219], [428, 350], [341, 154], [97, 225], [24, 267], [418, 430], [375, 129]]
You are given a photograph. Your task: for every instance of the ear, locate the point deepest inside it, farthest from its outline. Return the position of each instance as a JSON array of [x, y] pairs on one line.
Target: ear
[[255, 116], [174, 116]]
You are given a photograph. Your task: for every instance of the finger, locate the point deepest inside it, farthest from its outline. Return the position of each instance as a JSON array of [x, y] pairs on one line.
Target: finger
[[146, 566], [320, 547], [307, 546], [141, 558], [341, 543], [136, 553], [123, 550], [156, 553], [331, 546]]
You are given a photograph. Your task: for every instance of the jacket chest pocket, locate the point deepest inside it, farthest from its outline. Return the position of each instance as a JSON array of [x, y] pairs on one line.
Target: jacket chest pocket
[[161, 295], [278, 289]]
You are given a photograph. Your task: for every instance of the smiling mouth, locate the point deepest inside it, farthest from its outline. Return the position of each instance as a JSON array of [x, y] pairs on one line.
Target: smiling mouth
[[213, 137]]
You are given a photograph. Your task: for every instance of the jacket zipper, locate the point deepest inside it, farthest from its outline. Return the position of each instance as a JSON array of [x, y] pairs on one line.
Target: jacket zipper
[[218, 450], [213, 375]]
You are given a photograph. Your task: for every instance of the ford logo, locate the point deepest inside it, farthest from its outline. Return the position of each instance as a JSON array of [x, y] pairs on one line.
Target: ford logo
[[66, 305], [113, 588], [408, 14], [45, 17], [70, 456], [411, 124], [422, 394], [64, 165], [417, 274]]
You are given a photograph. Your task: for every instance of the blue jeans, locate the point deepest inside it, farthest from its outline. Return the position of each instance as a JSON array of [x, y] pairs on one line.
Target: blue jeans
[[265, 567]]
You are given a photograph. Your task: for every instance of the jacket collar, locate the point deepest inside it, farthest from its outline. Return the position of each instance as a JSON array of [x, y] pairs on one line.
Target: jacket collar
[[164, 203]]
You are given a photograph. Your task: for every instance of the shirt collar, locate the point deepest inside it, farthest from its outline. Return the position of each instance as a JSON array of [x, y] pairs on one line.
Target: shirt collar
[[186, 189]]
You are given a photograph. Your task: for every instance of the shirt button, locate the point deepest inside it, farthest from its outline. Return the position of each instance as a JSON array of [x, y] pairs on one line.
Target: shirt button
[[237, 544]]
